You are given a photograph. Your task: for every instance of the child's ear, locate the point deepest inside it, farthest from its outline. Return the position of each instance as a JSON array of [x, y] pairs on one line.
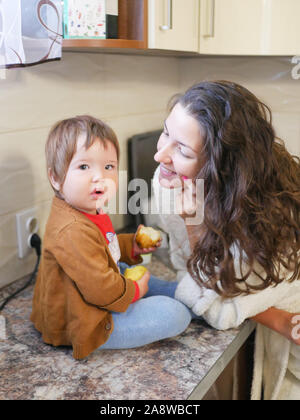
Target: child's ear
[[55, 184]]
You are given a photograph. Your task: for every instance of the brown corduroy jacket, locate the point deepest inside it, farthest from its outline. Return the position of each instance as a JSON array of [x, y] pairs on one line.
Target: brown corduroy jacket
[[78, 282]]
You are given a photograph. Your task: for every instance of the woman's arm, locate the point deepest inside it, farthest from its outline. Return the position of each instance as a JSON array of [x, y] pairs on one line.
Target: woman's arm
[[283, 322], [227, 313]]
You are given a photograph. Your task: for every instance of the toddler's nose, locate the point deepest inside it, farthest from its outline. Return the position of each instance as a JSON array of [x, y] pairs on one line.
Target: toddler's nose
[[97, 176]]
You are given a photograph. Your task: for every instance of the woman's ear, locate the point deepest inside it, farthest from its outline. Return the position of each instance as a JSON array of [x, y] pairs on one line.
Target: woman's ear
[[55, 184]]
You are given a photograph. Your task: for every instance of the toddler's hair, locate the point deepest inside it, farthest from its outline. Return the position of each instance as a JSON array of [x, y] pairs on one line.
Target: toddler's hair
[[62, 142]]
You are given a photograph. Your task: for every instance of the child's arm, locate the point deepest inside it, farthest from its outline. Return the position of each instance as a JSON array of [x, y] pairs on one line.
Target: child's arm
[[130, 251], [126, 247], [280, 321], [82, 255]]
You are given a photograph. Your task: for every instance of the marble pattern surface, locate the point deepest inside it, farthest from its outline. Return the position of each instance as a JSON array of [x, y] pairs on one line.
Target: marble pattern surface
[[166, 370]]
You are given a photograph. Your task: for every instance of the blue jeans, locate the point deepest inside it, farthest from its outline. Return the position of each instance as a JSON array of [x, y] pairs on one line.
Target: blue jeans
[[154, 317]]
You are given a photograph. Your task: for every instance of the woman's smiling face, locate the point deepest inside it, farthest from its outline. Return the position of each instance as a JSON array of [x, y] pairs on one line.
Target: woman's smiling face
[[179, 147]]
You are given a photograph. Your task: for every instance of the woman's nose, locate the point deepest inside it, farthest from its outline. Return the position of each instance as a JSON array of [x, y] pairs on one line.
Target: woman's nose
[[163, 154]]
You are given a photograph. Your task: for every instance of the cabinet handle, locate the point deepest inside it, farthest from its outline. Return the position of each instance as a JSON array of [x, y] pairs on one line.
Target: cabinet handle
[[210, 19], [170, 17]]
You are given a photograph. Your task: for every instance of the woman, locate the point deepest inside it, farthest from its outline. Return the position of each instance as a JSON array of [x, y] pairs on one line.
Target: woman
[[245, 254]]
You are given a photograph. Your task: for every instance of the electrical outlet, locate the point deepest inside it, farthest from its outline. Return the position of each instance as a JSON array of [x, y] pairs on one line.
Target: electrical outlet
[[27, 225]]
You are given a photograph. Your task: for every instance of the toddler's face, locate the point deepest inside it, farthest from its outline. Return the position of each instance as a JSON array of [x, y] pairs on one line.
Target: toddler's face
[[92, 177]]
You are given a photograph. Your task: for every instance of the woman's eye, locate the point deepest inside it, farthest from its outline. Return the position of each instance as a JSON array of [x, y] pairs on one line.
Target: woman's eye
[[183, 153], [83, 167]]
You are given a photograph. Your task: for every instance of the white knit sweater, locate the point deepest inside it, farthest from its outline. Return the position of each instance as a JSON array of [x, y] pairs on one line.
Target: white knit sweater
[[276, 359]]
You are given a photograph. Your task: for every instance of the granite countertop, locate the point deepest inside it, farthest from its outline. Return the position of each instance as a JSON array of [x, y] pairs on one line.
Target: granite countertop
[[180, 368]]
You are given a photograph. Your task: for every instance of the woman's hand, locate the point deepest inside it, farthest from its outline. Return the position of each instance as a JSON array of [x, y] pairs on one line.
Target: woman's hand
[[190, 202], [186, 200], [293, 328], [283, 322], [143, 284], [138, 251]]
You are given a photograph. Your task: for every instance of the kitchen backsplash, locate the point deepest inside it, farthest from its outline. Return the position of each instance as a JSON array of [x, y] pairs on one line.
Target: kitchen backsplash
[[274, 80], [128, 92]]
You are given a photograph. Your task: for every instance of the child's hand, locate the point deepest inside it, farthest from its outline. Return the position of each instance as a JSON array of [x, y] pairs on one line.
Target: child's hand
[[143, 283], [138, 251]]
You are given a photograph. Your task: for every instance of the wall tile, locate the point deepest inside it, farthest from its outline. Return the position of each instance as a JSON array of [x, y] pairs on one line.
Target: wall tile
[[139, 84], [269, 78], [39, 95], [99, 84], [23, 179], [287, 127]]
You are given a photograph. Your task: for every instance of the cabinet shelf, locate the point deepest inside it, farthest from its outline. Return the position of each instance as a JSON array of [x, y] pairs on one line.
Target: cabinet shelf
[[103, 43], [133, 29]]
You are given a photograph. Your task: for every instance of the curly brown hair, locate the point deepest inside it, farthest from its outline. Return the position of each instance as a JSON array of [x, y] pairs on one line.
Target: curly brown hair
[[252, 190]]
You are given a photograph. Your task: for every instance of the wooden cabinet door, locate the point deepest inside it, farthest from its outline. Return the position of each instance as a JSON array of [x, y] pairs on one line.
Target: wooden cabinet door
[[249, 27], [173, 25]]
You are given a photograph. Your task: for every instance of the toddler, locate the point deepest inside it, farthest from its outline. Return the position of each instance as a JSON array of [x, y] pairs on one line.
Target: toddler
[[81, 298]]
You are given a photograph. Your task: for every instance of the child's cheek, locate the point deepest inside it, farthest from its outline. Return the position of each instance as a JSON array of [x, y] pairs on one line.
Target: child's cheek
[[112, 186]]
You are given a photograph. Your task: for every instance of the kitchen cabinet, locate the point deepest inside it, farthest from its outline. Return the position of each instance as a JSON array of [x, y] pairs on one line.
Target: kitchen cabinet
[[150, 25], [173, 25], [249, 27], [215, 27], [132, 30]]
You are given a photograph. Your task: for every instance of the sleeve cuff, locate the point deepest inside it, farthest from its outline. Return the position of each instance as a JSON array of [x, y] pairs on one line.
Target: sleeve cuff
[[137, 293], [134, 257]]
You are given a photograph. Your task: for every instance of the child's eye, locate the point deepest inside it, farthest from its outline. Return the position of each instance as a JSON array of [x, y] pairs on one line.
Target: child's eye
[[109, 167], [83, 167]]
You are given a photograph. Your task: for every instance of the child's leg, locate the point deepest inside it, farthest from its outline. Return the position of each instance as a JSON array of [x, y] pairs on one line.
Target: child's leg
[[156, 285], [146, 321], [161, 287], [165, 288]]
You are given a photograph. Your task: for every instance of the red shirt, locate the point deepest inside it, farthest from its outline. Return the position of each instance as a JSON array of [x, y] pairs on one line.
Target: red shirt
[[106, 227]]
